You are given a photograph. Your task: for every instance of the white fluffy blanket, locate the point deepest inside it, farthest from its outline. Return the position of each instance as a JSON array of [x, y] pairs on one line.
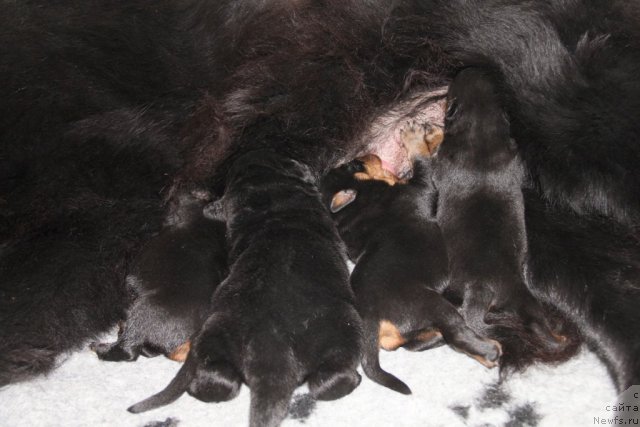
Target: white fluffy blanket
[[449, 389]]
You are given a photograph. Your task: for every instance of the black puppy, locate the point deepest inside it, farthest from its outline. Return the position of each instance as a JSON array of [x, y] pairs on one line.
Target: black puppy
[[401, 264], [273, 334], [479, 179], [173, 280]]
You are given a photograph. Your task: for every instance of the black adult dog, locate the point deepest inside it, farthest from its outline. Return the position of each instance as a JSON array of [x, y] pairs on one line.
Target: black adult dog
[[110, 108]]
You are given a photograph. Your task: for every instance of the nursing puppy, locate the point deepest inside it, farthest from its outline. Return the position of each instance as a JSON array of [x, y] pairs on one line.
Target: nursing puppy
[[173, 280], [401, 264], [260, 332], [479, 179]]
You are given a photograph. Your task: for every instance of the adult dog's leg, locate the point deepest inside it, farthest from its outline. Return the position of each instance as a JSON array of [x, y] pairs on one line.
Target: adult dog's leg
[[64, 285], [590, 269], [85, 152], [572, 88]]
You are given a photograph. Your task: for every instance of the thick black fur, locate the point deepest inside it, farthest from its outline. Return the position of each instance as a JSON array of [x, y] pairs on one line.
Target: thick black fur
[[275, 332], [401, 266], [479, 179], [173, 280], [107, 109]]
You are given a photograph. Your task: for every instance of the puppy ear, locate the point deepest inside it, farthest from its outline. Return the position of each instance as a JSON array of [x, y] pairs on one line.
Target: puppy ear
[[452, 109], [342, 199]]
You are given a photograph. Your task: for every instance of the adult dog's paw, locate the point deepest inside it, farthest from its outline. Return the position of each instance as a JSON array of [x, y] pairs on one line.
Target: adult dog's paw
[[526, 329], [540, 324]]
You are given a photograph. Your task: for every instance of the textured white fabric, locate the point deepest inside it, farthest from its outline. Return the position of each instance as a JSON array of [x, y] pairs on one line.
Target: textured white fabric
[[449, 389]]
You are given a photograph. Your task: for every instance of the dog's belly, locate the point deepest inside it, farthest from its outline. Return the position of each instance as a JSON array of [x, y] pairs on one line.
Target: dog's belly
[[384, 137]]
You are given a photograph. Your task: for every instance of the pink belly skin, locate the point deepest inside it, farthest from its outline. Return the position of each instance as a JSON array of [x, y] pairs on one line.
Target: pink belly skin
[[383, 136]]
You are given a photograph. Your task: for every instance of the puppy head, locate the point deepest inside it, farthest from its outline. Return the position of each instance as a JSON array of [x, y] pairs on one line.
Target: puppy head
[[476, 125], [339, 183], [373, 170], [421, 139], [340, 186], [186, 207], [342, 199]]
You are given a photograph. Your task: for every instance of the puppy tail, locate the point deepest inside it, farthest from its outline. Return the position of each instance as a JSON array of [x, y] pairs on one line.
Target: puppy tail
[[371, 364], [171, 393], [270, 403]]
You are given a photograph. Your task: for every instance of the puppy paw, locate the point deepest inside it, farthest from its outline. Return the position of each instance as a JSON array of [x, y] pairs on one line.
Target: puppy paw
[[114, 352], [421, 139], [331, 385], [484, 350], [217, 382], [488, 353]]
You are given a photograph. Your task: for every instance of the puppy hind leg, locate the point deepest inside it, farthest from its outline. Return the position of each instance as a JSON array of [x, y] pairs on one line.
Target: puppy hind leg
[[332, 373], [336, 376], [130, 342], [457, 333], [371, 361], [460, 313], [215, 378], [425, 339], [215, 382], [484, 350], [115, 352], [151, 351], [333, 382]]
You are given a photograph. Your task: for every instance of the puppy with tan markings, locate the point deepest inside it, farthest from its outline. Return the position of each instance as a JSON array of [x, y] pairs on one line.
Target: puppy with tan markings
[[401, 263], [273, 334], [173, 279]]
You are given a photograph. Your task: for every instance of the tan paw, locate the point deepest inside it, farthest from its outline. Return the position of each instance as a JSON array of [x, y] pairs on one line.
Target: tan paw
[[420, 139]]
